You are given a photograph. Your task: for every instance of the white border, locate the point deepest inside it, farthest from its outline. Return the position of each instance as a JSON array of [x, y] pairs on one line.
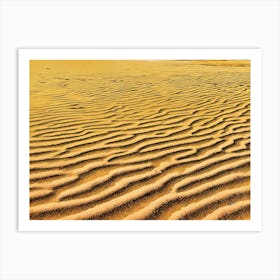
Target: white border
[[25, 55]]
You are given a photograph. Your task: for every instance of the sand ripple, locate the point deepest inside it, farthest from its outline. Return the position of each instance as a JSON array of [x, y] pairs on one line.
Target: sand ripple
[[140, 140]]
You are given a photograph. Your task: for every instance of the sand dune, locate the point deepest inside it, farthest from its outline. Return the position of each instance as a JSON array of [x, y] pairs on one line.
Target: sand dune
[[139, 140]]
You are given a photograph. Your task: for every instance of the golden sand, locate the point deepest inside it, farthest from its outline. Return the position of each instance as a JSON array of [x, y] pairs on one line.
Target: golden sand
[[140, 140]]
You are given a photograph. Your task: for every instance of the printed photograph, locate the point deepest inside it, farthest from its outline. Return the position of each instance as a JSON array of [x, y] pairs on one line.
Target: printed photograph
[[139, 140]]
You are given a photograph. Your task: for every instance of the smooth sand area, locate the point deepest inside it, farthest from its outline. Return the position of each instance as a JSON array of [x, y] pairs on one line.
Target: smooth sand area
[[140, 140]]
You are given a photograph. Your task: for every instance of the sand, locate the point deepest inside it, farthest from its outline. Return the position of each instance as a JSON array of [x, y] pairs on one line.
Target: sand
[[140, 140]]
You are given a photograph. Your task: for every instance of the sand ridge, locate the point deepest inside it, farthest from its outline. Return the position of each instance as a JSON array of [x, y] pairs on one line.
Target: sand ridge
[[140, 140]]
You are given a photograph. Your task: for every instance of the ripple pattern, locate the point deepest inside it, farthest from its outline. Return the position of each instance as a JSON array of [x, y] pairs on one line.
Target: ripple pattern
[[140, 140]]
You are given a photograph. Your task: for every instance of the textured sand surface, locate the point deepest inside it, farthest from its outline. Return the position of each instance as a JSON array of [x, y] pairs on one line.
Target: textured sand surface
[[140, 140]]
